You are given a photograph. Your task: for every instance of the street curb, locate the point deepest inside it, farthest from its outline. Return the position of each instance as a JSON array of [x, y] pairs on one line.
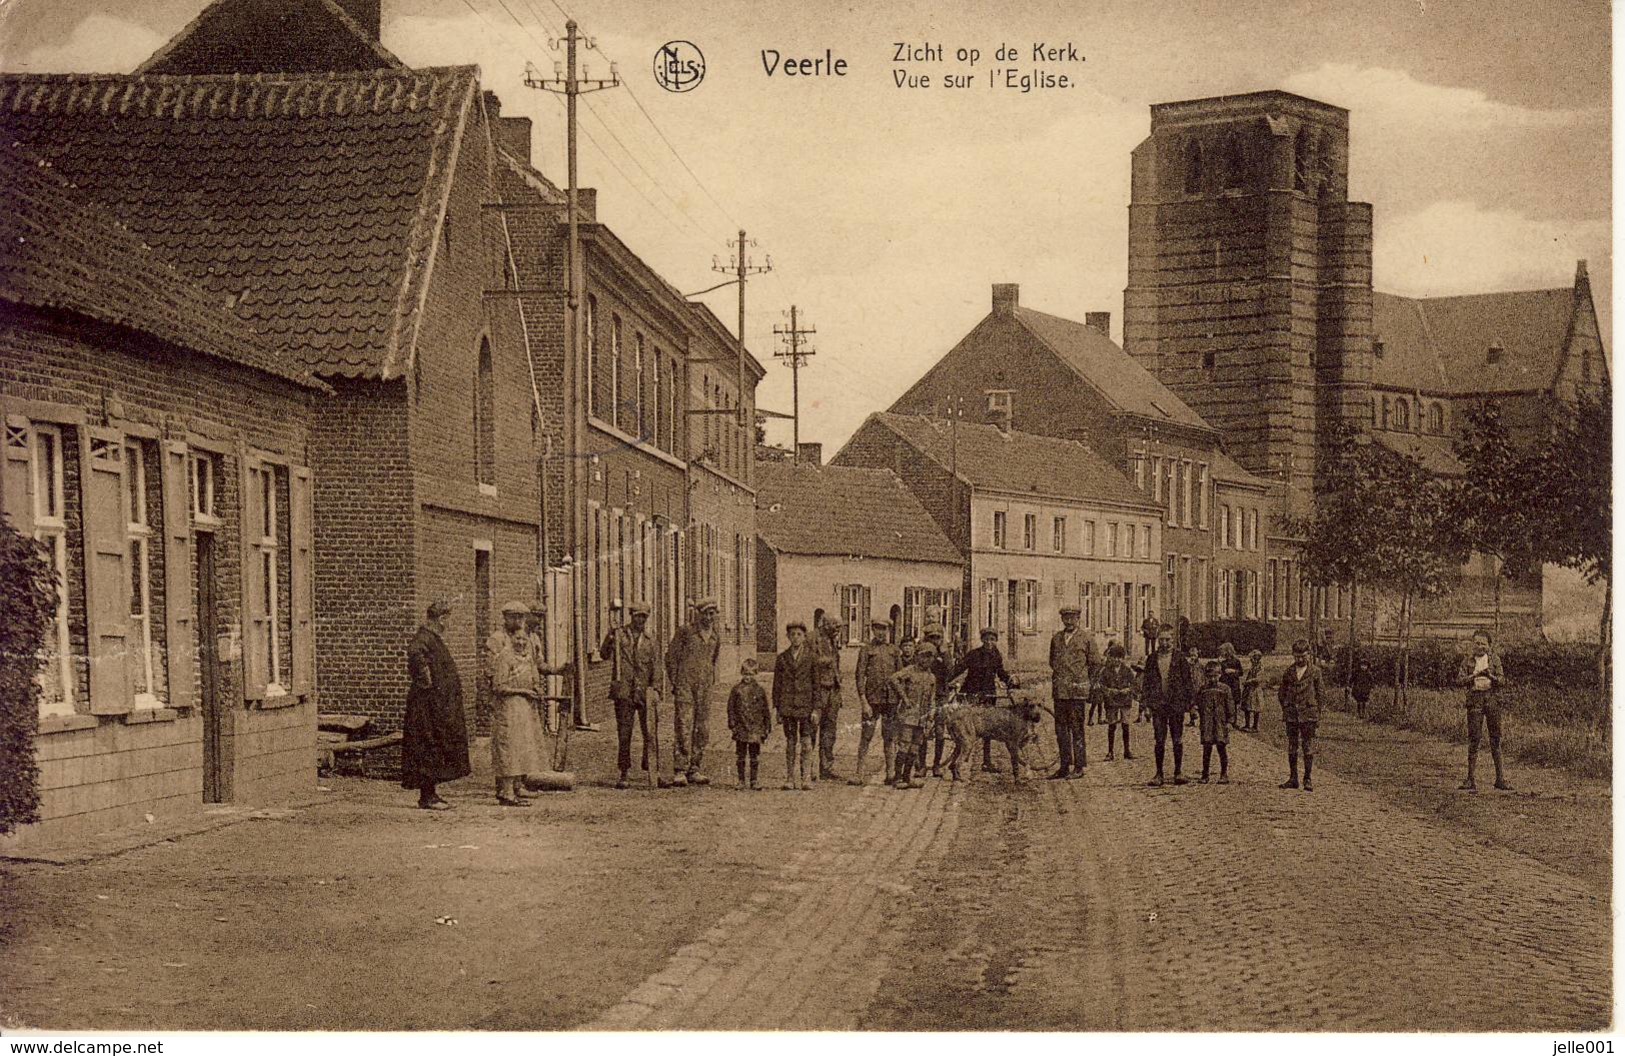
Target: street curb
[[130, 838]]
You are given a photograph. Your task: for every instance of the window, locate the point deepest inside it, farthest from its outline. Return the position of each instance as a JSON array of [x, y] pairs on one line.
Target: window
[[999, 532], [1029, 532], [268, 574], [638, 394], [1201, 495], [138, 537], [1290, 587], [1238, 531], [1000, 401], [1226, 600], [1272, 603], [1386, 408], [1111, 538], [614, 409], [990, 604], [656, 437], [485, 441], [1109, 595], [1156, 479], [1089, 537], [1224, 527], [202, 472], [1253, 515], [1086, 602], [1139, 472], [1436, 418], [1145, 540], [1204, 591], [1174, 473], [1058, 542], [855, 612], [1185, 493], [1402, 414], [36, 450], [1235, 161], [1133, 541], [595, 401], [913, 612], [1193, 166]]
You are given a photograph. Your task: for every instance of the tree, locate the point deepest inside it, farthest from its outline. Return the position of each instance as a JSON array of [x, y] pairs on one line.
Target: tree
[[1572, 495], [1494, 512]]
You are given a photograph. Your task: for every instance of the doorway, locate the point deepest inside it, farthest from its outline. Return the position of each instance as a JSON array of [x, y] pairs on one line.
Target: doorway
[[216, 779]]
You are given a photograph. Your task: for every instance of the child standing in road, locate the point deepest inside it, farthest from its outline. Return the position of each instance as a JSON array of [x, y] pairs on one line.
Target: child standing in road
[[1116, 687], [914, 691], [1252, 691], [750, 721], [1217, 710]]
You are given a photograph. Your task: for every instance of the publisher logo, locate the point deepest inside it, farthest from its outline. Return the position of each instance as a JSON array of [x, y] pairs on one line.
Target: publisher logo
[[679, 66]]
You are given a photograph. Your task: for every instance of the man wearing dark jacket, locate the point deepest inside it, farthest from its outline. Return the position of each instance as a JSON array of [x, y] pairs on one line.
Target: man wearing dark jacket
[[793, 699], [691, 670], [1300, 693], [983, 670], [1168, 692], [434, 740]]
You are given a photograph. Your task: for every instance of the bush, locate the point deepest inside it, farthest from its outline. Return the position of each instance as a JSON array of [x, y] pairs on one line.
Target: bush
[[27, 609], [1569, 667], [1245, 635]]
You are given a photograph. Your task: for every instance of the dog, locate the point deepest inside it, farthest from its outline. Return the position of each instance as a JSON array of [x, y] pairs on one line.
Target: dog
[[1014, 724]]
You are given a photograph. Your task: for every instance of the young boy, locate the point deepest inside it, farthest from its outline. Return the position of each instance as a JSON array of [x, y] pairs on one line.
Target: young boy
[[1194, 658], [1252, 691], [1217, 710], [751, 722], [1117, 681], [914, 691]]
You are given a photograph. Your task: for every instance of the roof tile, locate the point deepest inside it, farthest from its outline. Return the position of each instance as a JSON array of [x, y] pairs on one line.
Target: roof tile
[[845, 511]]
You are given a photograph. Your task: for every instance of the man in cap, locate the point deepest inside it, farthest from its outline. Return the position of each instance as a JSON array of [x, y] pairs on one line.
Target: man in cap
[[434, 737], [1168, 692], [793, 699], [826, 647], [634, 689], [515, 690], [1072, 662], [940, 661], [877, 662], [1300, 692], [983, 669], [691, 669]]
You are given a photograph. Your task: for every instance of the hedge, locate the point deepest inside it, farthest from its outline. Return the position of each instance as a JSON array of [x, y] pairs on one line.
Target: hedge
[[1245, 635], [1562, 666], [27, 610]]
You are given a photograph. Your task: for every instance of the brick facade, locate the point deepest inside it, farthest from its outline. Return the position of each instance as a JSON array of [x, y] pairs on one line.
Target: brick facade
[[149, 754]]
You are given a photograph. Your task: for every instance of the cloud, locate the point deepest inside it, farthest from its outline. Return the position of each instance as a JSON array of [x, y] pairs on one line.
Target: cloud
[[1458, 247], [98, 44], [1388, 96]]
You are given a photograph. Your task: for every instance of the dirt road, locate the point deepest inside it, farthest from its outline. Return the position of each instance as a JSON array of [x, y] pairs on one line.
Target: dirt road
[[1081, 905]]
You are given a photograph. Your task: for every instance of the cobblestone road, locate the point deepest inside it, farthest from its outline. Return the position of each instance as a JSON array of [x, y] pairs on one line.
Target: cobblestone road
[[1103, 904]]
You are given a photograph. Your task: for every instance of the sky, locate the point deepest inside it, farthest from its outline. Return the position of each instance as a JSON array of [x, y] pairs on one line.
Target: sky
[[1479, 131]]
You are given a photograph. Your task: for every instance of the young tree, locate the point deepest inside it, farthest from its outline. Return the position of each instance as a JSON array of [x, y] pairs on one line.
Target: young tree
[[1494, 509]]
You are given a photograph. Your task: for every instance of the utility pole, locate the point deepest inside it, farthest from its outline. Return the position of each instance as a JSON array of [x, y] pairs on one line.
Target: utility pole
[[566, 82], [796, 357], [742, 267]]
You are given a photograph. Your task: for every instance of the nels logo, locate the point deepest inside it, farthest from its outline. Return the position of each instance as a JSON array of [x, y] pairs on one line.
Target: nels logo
[[679, 66]]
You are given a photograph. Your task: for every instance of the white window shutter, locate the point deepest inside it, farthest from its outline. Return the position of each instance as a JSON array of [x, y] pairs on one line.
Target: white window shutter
[[107, 571], [251, 516], [180, 602], [16, 475], [302, 591]]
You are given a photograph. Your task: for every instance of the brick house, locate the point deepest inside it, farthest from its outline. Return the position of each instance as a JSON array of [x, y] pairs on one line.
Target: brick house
[[1042, 521], [854, 542], [1057, 377], [343, 214], [160, 448]]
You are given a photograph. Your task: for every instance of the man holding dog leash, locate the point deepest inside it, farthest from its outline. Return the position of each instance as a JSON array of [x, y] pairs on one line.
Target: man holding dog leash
[[983, 670]]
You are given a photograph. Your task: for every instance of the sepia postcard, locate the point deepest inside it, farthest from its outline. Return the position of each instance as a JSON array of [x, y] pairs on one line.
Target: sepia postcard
[[1083, 519]]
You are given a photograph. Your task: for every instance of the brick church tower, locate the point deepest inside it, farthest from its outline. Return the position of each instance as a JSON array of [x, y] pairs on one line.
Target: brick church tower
[[1249, 273]]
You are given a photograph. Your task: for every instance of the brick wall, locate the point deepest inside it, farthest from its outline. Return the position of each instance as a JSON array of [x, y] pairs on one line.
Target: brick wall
[[102, 771]]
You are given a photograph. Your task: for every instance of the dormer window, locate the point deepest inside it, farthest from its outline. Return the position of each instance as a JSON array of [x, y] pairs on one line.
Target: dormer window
[[1378, 346], [1000, 401], [1495, 352]]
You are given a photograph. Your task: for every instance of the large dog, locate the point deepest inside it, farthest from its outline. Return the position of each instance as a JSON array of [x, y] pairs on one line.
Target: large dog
[[967, 722]]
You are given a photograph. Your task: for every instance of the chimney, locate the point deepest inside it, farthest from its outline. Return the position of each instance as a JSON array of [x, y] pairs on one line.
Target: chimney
[[1000, 409], [368, 14], [1100, 322], [810, 454], [587, 203], [512, 134], [1006, 298], [1496, 351]]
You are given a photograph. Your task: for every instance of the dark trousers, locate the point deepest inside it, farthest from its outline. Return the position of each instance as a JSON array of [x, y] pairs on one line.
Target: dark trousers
[[1300, 738], [628, 713], [747, 757], [1070, 734], [1169, 726], [829, 715]]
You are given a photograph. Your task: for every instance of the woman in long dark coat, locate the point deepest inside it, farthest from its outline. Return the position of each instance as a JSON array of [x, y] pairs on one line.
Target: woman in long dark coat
[[434, 745]]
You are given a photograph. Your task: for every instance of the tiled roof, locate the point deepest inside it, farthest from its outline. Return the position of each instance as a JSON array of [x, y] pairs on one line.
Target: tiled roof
[[253, 36], [57, 251], [1436, 453], [1019, 462], [1229, 470], [1441, 344], [1098, 360], [843, 510], [313, 201]]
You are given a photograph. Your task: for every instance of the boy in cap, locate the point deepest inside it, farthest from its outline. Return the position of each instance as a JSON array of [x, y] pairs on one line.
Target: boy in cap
[[878, 660], [1216, 707], [793, 700], [750, 722], [914, 688], [983, 669]]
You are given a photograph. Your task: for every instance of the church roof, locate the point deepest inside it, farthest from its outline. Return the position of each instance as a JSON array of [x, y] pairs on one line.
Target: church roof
[[313, 200], [1015, 462], [1098, 360], [271, 36], [1436, 453], [845, 511], [61, 252], [1441, 344]]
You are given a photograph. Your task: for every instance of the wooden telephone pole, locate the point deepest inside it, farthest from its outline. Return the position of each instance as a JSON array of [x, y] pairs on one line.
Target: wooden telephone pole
[[796, 356]]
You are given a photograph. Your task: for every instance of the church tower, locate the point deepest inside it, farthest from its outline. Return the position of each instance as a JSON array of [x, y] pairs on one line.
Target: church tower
[[1249, 273]]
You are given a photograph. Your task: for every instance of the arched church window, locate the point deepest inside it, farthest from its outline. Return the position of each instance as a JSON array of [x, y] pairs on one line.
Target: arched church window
[[1235, 161], [1402, 415], [1436, 419]]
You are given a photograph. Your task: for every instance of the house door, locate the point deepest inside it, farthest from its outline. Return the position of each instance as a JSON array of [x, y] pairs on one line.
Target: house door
[[215, 779], [1010, 621]]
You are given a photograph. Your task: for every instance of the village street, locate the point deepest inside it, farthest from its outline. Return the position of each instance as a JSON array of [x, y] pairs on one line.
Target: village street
[[1383, 900]]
